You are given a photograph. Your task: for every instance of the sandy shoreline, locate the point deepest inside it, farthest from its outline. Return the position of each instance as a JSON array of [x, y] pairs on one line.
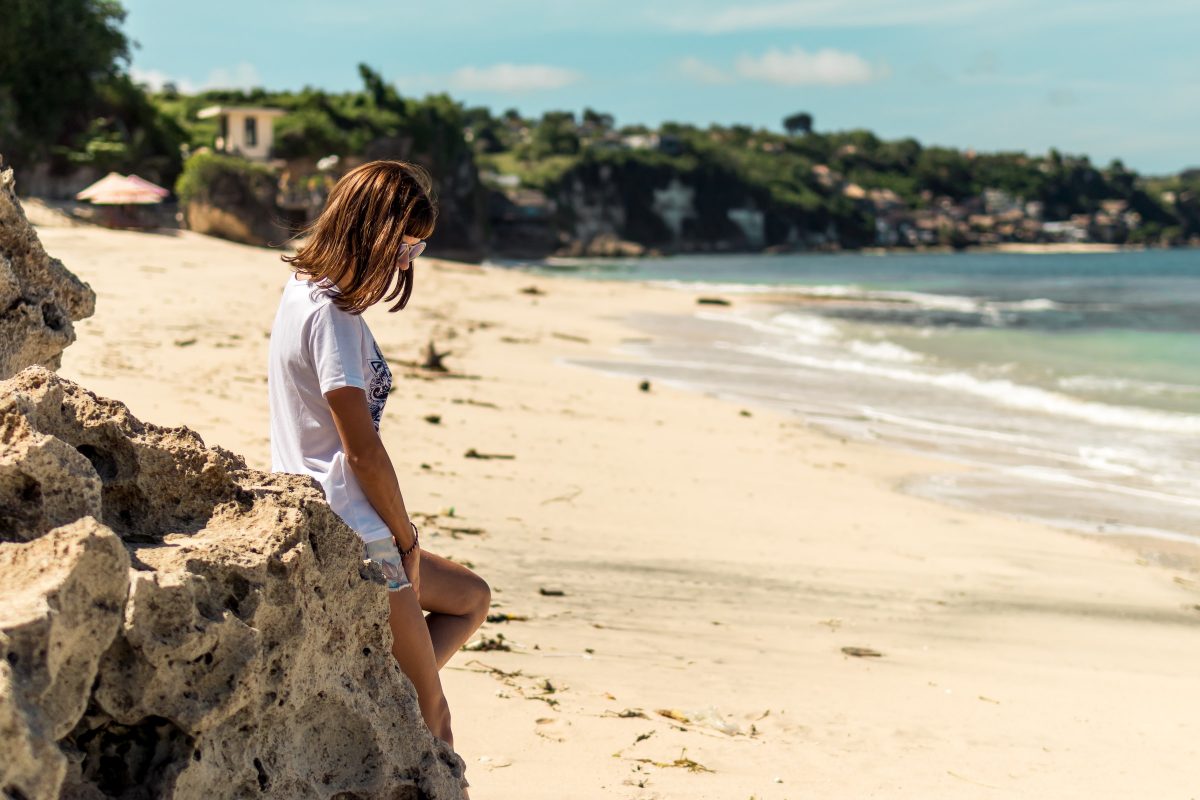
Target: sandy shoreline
[[711, 564]]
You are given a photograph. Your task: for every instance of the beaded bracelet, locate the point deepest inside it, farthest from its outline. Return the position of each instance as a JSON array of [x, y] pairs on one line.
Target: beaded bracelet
[[416, 539]]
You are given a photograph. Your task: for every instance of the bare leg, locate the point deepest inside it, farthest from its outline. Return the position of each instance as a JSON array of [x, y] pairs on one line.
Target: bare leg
[[458, 600], [414, 651]]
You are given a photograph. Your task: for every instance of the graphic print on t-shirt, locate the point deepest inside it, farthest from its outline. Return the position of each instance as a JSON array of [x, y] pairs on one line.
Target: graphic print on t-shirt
[[378, 386]]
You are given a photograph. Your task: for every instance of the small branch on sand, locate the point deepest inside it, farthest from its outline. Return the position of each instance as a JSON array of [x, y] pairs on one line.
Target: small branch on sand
[[862, 652], [473, 453], [564, 498], [471, 402], [433, 359], [494, 670], [569, 337]]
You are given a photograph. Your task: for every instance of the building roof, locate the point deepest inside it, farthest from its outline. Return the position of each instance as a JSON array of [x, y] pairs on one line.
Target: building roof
[[216, 111]]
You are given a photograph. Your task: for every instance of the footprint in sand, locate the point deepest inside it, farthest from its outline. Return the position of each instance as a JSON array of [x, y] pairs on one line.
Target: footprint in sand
[[552, 728]]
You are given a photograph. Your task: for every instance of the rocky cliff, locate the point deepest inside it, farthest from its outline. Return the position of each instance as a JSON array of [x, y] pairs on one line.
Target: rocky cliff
[[39, 298], [176, 624]]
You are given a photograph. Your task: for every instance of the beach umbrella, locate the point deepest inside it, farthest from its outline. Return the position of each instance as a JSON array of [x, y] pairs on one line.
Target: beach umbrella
[[138, 180], [115, 189], [108, 182]]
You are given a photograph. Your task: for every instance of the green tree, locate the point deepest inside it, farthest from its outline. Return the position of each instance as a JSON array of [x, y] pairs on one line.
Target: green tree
[[798, 123], [54, 55], [555, 134]]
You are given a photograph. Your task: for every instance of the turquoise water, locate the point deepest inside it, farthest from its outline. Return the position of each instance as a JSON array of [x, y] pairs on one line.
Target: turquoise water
[[1118, 327], [1070, 382]]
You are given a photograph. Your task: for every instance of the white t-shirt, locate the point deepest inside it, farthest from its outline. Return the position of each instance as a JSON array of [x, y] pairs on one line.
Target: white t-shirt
[[315, 348]]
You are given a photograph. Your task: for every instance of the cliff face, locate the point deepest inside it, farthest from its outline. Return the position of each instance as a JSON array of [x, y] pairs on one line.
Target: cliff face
[[178, 625], [39, 298], [666, 207]]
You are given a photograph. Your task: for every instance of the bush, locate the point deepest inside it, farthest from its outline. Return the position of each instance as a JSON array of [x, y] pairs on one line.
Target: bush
[[207, 174]]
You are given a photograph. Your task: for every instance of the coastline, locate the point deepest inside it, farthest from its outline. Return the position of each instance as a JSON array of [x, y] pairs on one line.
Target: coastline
[[712, 565]]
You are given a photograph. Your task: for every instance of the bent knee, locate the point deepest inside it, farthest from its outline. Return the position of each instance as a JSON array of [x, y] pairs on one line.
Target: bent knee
[[481, 596]]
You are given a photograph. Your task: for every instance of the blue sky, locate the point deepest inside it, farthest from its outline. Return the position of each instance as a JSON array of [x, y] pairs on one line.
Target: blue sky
[[1104, 78]]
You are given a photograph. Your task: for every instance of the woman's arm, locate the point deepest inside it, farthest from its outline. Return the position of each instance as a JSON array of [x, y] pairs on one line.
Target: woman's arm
[[369, 461]]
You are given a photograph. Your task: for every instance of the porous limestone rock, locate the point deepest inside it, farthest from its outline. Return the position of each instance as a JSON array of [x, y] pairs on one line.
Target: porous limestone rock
[[39, 297], [178, 625]]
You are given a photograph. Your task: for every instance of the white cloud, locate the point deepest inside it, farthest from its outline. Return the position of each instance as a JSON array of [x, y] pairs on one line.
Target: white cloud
[[719, 16], [512, 77], [703, 72], [155, 79], [798, 14], [241, 76], [798, 67]]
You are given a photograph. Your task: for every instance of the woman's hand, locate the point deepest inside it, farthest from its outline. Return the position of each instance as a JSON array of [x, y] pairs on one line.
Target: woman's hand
[[412, 568]]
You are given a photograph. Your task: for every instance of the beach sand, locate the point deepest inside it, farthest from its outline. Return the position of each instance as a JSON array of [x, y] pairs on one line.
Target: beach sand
[[664, 552]]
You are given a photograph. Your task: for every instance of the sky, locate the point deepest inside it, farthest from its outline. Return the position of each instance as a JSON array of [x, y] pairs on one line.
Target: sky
[[1103, 78]]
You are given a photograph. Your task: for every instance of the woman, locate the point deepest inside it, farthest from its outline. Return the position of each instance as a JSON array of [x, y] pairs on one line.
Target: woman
[[328, 383]]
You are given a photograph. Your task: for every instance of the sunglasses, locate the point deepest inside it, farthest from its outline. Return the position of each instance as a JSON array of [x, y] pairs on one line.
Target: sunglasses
[[409, 252]]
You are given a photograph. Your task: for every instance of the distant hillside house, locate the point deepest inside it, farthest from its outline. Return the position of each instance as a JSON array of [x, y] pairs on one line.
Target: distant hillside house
[[247, 131]]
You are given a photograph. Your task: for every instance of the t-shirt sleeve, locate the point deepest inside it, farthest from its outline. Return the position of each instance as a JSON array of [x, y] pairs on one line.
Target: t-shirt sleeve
[[335, 341]]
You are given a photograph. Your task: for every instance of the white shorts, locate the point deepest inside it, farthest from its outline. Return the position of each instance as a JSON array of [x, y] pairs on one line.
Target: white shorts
[[385, 553]]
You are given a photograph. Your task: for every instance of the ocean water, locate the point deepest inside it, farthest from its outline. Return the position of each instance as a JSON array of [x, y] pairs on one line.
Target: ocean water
[[1069, 383]]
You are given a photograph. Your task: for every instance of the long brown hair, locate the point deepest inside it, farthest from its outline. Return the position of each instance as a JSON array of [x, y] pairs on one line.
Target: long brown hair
[[359, 234]]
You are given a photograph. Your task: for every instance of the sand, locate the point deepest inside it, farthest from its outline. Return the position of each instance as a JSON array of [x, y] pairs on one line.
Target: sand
[[665, 552]]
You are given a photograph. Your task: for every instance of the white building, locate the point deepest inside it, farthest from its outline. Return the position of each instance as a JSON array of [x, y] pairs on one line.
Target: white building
[[244, 130]]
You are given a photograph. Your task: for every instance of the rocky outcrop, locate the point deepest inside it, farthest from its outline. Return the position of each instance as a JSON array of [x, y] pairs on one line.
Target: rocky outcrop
[[177, 625], [39, 298], [232, 198]]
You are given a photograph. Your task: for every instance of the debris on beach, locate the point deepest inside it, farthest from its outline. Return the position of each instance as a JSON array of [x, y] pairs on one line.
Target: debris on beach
[[683, 762], [433, 359], [710, 717], [546, 592], [569, 337], [564, 498], [473, 453], [644, 386], [632, 713], [862, 653], [433, 419], [456, 532], [671, 713], [472, 402], [487, 643], [712, 301], [184, 342], [531, 290], [502, 616]]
